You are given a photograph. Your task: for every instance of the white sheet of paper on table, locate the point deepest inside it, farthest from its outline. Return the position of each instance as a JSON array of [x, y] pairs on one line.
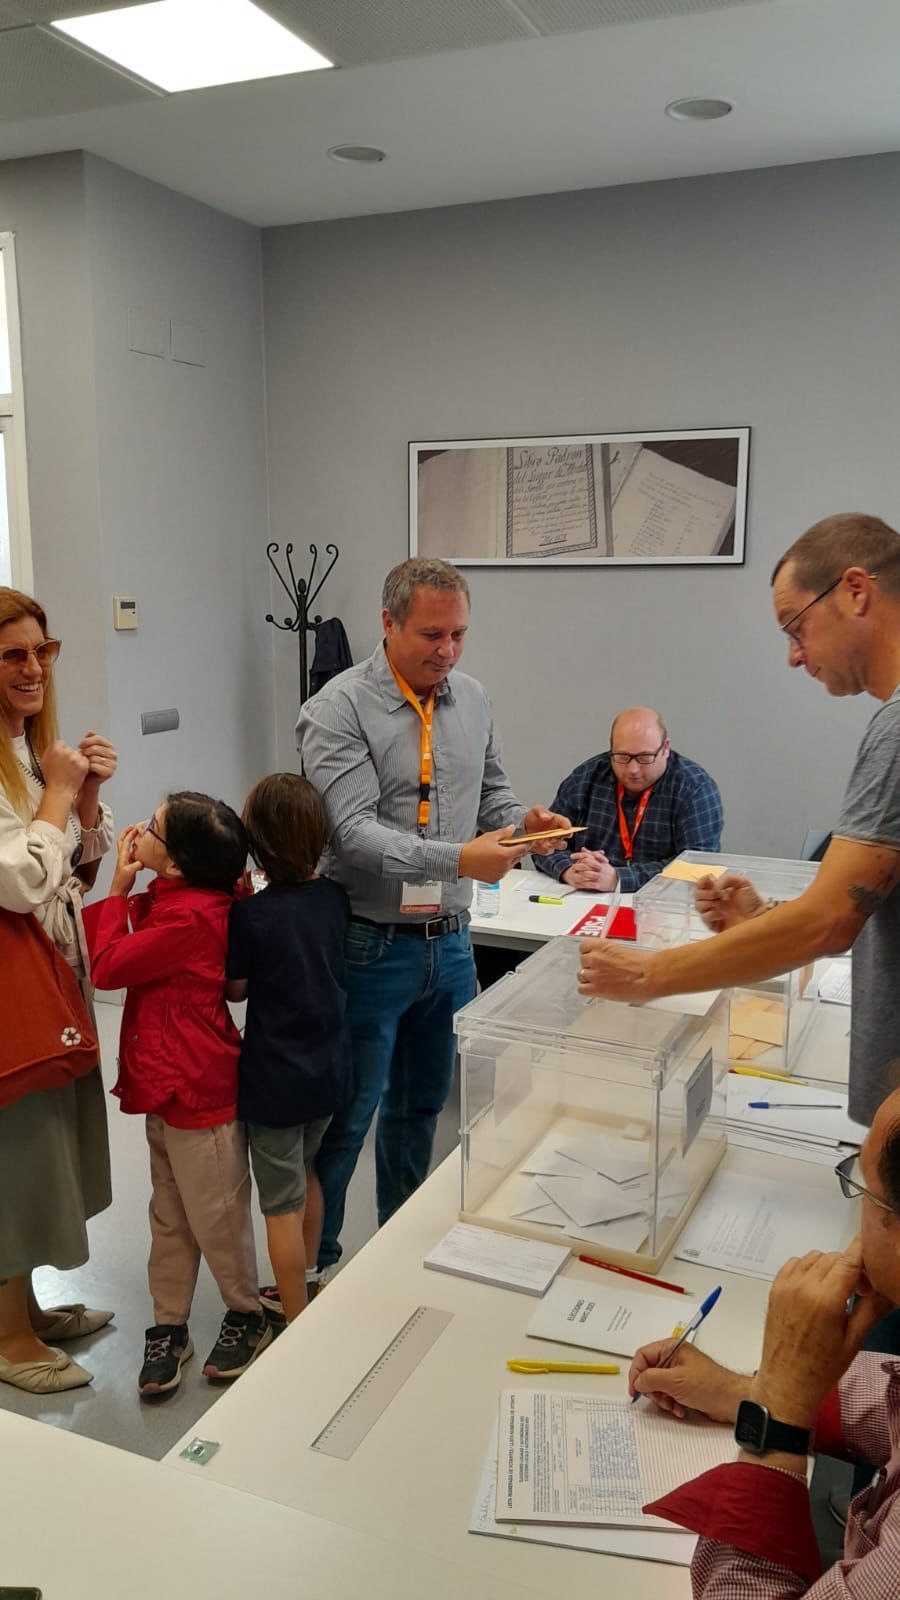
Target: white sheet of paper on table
[[674, 1547], [584, 1459], [585, 1313], [751, 1226], [835, 983], [802, 1117], [504, 1259]]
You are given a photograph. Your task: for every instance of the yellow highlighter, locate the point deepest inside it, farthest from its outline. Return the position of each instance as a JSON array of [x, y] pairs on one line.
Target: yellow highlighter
[[532, 1367], [774, 1077]]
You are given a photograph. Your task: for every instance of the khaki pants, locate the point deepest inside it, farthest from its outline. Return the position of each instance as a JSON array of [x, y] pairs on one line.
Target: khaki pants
[[200, 1205]]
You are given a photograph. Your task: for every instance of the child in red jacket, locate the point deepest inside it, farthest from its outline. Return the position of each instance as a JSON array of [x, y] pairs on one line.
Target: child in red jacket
[[178, 1058]]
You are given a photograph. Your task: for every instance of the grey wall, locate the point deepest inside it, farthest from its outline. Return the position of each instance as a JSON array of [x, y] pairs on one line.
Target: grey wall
[[42, 202], [766, 298], [181, 455]]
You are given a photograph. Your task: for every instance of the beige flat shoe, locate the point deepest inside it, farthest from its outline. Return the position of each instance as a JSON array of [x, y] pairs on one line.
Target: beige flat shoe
[[73, 1322], [45, 1377]]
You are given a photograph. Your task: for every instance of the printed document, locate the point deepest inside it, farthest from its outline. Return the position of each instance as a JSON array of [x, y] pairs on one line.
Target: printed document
[[583, 1312], [499, 1258], [674, 1546], [752, 1226], [579, 1458]]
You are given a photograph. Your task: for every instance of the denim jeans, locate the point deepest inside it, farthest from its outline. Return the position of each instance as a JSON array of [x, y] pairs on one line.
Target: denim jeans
[[403, 993]]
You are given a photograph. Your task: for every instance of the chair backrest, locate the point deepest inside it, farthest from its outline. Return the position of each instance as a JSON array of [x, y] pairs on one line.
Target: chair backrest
[[815, 843]]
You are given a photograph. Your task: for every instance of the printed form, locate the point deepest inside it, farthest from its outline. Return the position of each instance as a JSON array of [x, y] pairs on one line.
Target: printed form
[[581, 1459]]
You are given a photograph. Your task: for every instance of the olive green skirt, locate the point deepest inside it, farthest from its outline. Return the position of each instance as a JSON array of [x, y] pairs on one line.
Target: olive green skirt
[[54, 1175]]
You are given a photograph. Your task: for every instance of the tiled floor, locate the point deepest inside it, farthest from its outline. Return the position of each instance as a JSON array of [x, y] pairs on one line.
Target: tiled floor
[[109, 1409]]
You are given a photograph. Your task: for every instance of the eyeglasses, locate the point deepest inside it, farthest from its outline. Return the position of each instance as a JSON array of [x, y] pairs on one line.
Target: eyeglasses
[[44, 654], [149, 828], [851, 1188], [644, 759], [790, 626]]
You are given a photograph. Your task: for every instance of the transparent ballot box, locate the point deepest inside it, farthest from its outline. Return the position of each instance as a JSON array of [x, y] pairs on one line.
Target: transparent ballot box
[[586, 1122], [769, 1020]]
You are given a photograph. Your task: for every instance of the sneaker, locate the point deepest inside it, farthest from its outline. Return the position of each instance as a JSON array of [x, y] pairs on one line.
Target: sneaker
[[168, 1346], [316, 1281], [242, 1337], [270, 1300]]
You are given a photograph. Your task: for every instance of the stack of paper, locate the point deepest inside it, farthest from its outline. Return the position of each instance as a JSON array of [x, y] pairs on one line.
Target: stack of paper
[[797, 1120], [756, 1024], [499, 1258], [836, 981], [579, 1311], [752, 1226], [577, 1458], [675, 1547], [596, 1187]]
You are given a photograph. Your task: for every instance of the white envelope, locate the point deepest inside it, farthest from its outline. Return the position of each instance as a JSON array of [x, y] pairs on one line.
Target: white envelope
[[593, 1199]]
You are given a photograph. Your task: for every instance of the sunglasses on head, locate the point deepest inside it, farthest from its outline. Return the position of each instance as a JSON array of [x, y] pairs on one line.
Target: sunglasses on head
[[44, 654]]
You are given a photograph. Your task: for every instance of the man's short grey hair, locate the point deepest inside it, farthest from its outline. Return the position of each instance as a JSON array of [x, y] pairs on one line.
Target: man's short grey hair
[[418, 572]]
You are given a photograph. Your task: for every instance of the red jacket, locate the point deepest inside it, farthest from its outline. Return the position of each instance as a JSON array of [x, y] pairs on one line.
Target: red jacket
[[178, 1046]]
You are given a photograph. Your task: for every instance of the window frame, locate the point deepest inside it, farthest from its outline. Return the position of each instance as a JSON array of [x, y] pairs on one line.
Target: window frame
[[12, 425]]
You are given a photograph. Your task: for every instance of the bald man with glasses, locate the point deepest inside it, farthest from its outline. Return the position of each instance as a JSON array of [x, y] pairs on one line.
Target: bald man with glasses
[[817, 1391], [642, 804]]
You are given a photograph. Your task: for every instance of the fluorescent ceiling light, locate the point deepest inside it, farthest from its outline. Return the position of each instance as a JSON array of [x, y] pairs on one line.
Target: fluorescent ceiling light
[[191, 44]]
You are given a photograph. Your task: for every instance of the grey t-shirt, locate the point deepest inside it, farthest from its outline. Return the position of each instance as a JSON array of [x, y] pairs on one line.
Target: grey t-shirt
[[871, 815]]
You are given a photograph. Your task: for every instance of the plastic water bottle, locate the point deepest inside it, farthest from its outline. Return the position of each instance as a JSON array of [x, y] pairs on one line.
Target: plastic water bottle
[[487, 899]]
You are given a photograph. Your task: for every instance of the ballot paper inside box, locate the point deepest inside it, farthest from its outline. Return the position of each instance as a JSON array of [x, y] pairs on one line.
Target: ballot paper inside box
[[768, 1021], [588, 1123]]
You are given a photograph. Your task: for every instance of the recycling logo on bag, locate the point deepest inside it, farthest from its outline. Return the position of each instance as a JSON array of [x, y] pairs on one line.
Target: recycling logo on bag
[[70, 1036]]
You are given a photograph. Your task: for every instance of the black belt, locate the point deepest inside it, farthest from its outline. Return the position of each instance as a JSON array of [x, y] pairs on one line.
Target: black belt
[[434, 928]]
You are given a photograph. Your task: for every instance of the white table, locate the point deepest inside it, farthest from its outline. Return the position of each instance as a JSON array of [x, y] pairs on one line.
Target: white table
[[413, 1478], [84, 1521], [523, 926]]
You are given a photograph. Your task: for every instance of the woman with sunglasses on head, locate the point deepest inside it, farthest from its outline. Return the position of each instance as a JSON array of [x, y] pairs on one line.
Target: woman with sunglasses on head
[[54, 1151]]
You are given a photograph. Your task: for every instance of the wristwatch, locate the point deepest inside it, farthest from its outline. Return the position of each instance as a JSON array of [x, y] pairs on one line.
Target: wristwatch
[[755, 1430]]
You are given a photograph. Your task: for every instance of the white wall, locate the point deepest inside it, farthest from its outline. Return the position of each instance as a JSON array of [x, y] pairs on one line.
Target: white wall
[[766, 298], [42, 202], [183, 511]]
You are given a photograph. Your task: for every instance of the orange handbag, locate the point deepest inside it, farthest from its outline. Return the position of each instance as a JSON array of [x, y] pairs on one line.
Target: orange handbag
[[46, 1036]]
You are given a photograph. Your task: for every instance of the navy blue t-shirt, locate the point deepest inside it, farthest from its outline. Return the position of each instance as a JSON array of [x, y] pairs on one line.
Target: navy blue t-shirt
[[288, 943]]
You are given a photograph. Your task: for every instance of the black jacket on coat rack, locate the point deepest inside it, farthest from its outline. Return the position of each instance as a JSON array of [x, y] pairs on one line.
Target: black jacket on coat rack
[[332, 653]]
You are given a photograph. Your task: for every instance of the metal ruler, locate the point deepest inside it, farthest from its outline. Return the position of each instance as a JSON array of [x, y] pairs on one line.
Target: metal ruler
[[382, 1383]]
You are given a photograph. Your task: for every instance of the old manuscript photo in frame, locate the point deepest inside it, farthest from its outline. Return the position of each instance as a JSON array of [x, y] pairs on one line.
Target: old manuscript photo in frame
[[625, 499]]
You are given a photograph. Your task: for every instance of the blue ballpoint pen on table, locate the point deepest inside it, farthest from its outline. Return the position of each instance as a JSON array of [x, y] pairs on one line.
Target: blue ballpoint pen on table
[[699, 1316], [792, 1105]]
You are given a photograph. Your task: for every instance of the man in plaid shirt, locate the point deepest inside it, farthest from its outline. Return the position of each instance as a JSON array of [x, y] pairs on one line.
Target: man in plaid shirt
[[642, 804], [820, 1392]]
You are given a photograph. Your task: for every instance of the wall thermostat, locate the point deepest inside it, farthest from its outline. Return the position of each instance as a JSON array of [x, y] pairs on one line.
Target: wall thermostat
[[124, 612]]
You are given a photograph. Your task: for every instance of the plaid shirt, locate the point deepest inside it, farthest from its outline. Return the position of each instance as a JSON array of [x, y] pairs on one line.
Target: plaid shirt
[[758, 1538], [685, 813]]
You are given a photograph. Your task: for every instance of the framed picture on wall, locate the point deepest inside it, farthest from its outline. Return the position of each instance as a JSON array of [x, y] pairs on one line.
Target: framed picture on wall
[[613, 499]]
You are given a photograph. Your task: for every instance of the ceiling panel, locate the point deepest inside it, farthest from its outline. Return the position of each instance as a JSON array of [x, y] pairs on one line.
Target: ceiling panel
[[59, 10], [40, 76], [354, 32], [576, 16]]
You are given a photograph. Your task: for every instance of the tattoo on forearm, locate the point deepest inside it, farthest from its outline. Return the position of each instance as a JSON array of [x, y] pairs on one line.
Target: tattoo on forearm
[[865, 899]]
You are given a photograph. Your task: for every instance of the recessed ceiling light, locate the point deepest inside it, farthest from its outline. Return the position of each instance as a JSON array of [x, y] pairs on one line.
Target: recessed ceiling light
[[366, 155], [698, 110], [191, 44]]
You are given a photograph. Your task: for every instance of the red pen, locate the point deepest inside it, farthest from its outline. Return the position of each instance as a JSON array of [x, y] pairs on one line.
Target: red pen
[[626, 1272]]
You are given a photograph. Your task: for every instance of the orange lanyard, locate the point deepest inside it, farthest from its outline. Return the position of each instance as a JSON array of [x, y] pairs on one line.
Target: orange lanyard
[[426, 712], [626, 837]]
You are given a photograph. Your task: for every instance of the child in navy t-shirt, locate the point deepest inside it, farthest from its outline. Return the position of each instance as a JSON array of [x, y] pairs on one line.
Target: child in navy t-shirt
[[286, 958]]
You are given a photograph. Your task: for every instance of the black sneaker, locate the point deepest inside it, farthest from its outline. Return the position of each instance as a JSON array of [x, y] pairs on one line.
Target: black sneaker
[[168, 1346], [242, 1337]]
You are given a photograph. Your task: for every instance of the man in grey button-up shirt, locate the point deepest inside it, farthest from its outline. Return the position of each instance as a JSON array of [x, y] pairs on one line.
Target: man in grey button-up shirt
[[409, 970]]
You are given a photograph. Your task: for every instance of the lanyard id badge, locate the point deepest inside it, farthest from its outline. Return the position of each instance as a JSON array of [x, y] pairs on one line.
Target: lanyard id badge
[[418, 899], [628, 837]]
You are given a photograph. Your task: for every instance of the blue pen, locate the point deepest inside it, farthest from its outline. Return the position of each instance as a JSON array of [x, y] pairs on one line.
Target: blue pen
[[693, 1325], [792, 1105]]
